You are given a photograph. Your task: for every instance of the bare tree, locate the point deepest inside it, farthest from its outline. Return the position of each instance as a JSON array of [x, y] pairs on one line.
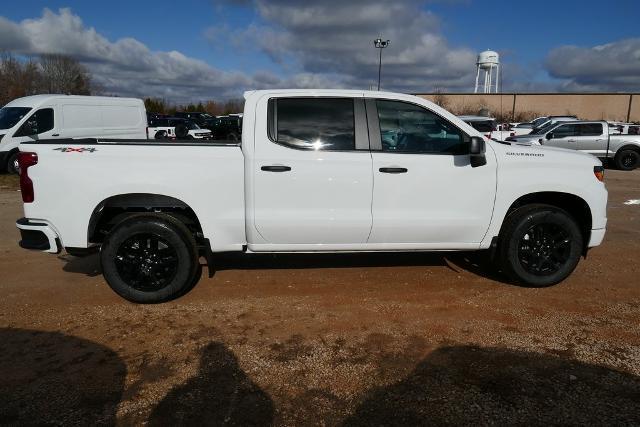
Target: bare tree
[[63, 74], [17, 78]]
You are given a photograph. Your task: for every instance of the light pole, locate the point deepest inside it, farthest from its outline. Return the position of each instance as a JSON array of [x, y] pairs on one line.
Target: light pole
[[380, 44]]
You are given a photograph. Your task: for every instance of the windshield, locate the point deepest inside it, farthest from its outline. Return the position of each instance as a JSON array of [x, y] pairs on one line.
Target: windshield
[[484, 126], [539, 121], [9, 116], [191, 126], [544, 129]]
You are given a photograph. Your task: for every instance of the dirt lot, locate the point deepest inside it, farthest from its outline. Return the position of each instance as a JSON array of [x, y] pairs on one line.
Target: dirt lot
[[325, 340]]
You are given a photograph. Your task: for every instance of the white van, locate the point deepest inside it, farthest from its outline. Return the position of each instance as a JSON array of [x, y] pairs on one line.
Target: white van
[[67, 116]]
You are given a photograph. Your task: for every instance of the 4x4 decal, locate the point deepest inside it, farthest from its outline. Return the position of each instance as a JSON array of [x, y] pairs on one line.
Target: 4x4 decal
[[75, 150]]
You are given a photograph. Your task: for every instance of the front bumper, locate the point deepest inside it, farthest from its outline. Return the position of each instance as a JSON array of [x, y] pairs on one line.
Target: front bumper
[[38, 236], [597, 236]]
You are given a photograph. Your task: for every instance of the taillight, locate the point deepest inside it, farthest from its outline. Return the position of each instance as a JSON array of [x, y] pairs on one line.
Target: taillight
[[598, 171], [25, 160]]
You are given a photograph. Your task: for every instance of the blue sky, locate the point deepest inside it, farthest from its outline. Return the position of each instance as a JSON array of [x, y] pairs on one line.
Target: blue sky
[[224, 47]]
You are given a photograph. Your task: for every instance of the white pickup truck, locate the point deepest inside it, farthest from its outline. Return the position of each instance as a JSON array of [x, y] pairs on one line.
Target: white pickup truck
[[316, 171]]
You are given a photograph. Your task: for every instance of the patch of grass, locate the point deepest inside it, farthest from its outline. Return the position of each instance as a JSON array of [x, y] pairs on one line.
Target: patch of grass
[[9, 182]]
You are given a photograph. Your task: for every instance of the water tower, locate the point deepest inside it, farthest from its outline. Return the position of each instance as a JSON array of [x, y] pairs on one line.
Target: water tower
[[488, 61]]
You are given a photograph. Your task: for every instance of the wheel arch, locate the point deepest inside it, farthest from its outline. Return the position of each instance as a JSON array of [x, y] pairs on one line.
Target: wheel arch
[[633, 147], [574, 205], [114, 209]]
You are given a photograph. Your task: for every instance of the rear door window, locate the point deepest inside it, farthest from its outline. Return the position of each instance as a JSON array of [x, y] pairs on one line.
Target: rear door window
[[590, 129], [313, 123]]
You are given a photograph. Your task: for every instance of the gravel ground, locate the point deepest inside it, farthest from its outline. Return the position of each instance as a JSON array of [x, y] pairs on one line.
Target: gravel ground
[[363, 339]]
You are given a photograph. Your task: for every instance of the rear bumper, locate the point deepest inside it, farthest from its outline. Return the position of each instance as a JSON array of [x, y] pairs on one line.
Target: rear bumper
[[38, 236], [596, 237]]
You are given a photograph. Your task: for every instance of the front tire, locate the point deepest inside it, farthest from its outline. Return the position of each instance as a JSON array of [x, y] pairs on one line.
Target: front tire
[[540, 245], [627, 160], [12, 163], [150, 259]]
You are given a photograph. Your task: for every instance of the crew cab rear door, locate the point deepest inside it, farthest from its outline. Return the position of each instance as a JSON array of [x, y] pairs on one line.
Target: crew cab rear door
[[592, 138], [312, 174], [426, 194]]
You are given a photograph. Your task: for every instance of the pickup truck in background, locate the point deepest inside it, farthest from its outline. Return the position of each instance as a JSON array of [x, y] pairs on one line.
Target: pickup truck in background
[[594, 137], [316, 171], [538, 133]]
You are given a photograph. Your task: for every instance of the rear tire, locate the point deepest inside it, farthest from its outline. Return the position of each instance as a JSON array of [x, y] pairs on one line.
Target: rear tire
[[540, 245], [161, 134], [150, 259], [627, 159]]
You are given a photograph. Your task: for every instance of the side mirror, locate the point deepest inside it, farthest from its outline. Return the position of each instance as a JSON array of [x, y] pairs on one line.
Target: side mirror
[[549, 136], [476, 152]]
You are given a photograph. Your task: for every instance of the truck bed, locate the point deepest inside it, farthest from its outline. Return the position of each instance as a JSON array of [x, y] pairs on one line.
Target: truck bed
[[83, 173]]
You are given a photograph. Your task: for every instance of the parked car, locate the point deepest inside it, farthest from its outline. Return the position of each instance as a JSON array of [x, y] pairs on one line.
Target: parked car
[[538, 123], [37, 117], [226, 127], [537, 134], [488, 126], [199, 117], [314, 173], [594, 137], [620, 128], [174, 127]]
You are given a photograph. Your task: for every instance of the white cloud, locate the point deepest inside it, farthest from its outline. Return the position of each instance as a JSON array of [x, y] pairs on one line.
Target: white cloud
[[127, 66], [335, 37], [609, 67]]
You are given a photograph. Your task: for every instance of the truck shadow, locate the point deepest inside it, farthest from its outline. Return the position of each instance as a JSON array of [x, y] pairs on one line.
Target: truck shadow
[[469, 385], [52, 378]]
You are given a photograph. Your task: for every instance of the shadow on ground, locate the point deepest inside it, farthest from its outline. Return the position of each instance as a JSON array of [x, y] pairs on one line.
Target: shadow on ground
[[473, 385], [52, 378], [221, 393]]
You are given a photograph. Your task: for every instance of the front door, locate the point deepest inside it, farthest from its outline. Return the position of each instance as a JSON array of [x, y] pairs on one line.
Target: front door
[[564, 136], [426, 193], [312, 174]]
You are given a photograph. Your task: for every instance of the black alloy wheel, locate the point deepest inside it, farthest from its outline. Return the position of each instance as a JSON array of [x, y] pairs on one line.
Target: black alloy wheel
[[150, 258], [544, 249], [146, 262], [539, 245]]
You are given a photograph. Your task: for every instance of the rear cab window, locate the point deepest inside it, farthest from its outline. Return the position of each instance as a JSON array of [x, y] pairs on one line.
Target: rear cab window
[[313, 123]]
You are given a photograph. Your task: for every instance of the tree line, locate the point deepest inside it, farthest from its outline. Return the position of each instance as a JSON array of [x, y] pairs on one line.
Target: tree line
[[43, 74], [215, 108], [63, 74]]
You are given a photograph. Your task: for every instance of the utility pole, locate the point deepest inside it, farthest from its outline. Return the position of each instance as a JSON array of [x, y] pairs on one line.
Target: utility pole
[[380, 44]]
